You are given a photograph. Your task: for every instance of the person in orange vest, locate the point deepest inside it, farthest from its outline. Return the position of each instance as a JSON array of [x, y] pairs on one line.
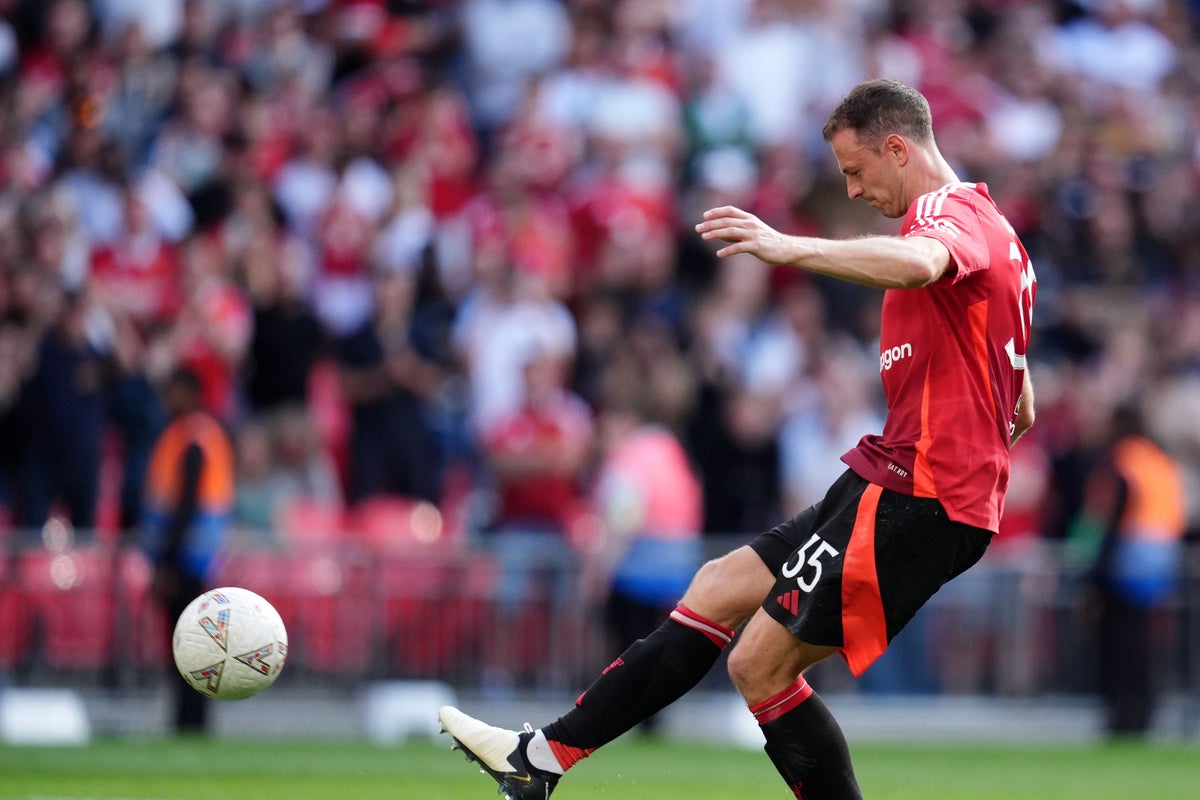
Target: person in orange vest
[[187, 506], [1130, 533]]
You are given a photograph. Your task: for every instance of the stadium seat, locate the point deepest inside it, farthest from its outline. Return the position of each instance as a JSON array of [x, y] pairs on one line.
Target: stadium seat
[[434, 612], [144, 620], [330, 412], [397, 524], [264, 572], [304, 522], [14, 617], [71, 594], [334, 609]]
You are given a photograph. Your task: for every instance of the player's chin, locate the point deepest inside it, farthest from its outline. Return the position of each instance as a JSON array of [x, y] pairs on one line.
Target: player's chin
[[883, 208]]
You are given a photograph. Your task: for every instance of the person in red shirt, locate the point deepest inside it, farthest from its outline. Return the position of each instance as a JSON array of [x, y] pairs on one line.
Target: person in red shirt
[[536, 455], [918, 505]]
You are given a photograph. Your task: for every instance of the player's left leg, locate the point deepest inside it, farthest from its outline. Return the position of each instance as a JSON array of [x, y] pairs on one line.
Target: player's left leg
[[804, 741]]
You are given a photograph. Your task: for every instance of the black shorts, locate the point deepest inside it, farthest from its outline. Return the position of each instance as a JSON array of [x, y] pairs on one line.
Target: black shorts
[[853, 569]]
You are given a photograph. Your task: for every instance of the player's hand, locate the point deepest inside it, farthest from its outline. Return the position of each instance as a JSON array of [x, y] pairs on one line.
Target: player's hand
[[746, 233], [1024, 416]]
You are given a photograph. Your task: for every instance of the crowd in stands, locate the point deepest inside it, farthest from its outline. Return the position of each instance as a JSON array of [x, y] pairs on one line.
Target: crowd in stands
[[429, 249]]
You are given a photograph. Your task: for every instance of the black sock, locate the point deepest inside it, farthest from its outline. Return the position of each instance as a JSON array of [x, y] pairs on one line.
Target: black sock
[[806, 745], [653, 673]]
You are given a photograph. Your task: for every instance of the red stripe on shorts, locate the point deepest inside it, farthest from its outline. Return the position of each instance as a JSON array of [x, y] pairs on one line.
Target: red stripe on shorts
[[864, 627]]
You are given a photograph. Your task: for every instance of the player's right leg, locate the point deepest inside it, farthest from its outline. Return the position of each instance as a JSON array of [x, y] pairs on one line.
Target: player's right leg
[[650, 675], [871, 561]]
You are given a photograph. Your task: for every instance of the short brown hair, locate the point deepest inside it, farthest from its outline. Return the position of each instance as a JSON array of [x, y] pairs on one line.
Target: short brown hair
[[873, 109]]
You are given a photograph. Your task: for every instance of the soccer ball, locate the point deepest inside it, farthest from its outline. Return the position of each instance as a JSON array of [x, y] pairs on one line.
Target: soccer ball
[[229, 643]]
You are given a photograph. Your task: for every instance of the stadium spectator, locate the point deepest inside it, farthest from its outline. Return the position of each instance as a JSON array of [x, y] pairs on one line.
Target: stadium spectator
[[734, 430], [190, 147], [649, 501], [188, 505], [390, 377], [286, 338], [159, 22], [136, 415], [255, 498], [63, 416], [505, 45], [825, 417], [136, 272], [505, 316], [536, 456], [304, 186], [211, 333], [1130, 533], [144, 90], [282, 465]]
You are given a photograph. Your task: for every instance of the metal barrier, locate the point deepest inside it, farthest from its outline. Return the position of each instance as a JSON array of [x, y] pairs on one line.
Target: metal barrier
[[1017, 624]]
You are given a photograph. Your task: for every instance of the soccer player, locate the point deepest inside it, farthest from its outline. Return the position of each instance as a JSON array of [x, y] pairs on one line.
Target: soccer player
[[917, 506]]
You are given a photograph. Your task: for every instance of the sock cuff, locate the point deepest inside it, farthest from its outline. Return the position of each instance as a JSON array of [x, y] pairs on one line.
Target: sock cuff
[[717, 634], [568, 756], [779, 704]]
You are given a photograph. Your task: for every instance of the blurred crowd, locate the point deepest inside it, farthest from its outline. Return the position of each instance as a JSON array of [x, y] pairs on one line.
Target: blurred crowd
[[443, 250]]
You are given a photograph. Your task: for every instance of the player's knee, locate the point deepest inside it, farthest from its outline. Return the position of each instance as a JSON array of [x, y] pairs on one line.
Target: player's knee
[[743, 668], [707, 580], [728, 590], [756, 675]]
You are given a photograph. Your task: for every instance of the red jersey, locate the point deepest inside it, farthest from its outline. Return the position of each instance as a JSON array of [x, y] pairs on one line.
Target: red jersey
[[545, 497], [952, 360]]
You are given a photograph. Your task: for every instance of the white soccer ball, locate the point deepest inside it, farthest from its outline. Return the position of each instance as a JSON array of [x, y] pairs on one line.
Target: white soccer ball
[[229, 643]]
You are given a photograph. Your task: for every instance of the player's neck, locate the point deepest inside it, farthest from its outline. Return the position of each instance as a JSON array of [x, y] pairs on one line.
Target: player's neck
[[932, 173]]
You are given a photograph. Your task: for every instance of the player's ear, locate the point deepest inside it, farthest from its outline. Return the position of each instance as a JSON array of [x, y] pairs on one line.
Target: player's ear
[[895, 148]]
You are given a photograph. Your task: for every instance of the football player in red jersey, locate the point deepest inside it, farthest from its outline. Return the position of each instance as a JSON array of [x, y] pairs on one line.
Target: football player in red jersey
[[917, 505]]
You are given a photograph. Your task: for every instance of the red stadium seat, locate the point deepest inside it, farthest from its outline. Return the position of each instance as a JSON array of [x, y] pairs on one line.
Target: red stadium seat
[[304, 522], [265, 572], [434, 612], [334, 609], [14, 617], [145, 621], [396, 524], [72, 603]]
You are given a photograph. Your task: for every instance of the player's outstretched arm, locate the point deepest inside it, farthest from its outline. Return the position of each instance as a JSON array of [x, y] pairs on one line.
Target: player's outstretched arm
[[885, 262]]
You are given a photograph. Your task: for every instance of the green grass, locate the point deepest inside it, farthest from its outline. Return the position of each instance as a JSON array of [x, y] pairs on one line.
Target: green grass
[[168, 769]]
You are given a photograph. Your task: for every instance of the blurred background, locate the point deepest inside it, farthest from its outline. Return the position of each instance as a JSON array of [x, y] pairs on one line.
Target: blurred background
[[489, 400]]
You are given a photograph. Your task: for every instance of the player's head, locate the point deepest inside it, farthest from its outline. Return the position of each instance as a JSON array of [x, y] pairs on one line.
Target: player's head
[[874, 132], [873, 109]]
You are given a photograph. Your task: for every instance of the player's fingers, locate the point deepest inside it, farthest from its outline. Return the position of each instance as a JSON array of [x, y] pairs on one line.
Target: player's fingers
[[736, 247], [709, 225], [725, 211], [718, 231]]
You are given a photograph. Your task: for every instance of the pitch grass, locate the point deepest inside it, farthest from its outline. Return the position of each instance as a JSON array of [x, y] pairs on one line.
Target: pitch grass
[[220, 769]]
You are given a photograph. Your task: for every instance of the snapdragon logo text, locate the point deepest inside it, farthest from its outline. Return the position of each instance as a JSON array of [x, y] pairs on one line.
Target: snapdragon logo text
[[889, 357]]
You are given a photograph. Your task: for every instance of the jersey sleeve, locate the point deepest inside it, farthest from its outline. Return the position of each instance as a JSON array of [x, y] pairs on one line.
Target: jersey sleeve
[[953, 220]]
